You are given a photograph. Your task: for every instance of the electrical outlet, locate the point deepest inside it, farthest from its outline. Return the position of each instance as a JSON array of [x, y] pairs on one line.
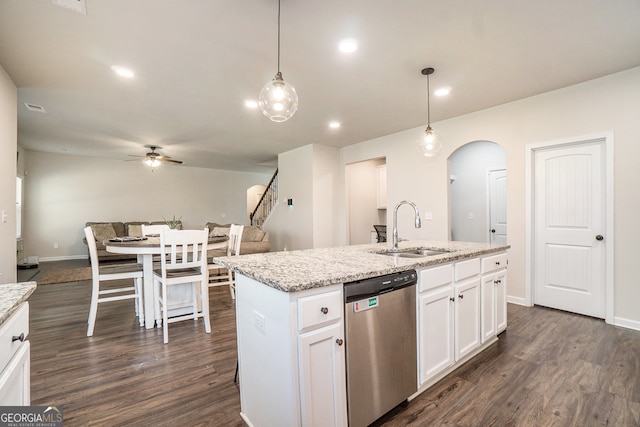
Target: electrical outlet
[[55, 245], [259, 321], [428, 216]]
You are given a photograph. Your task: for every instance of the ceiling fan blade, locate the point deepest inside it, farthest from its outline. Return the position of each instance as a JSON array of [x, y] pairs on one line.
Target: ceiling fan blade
[[133, 155], [166, 159]]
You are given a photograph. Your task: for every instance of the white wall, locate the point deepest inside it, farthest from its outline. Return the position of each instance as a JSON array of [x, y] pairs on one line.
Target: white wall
[[362, 199], [291, 227], [309, 176], [62, 192], [8, 150], [608, 103], [326, 174], [468, 193]]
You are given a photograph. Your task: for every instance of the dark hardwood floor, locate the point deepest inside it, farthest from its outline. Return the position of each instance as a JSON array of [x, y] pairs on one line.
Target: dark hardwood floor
[[550, 368]]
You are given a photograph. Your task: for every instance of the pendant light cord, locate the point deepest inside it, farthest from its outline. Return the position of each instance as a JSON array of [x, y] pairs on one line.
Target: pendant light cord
[[428, 103], [278, 36]]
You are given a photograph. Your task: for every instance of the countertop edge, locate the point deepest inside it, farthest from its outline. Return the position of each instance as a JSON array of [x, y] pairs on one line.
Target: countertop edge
[[12, 295], [256, 271]]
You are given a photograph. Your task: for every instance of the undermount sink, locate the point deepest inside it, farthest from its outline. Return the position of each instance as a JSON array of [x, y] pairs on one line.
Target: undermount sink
[[413, 253]]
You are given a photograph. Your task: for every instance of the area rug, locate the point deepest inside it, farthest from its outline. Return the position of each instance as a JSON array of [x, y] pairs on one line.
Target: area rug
[[63, 275]]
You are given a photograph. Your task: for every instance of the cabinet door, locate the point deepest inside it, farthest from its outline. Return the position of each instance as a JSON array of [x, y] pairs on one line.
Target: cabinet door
[[435, 347], [488, 307], [467, 324], [322, 377], [15, 379], [501, 300]]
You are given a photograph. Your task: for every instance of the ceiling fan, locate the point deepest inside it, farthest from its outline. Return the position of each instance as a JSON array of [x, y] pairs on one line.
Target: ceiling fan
[[154, 159]]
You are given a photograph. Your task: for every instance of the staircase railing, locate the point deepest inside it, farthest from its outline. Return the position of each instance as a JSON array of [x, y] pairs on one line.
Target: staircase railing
[[267, 202]]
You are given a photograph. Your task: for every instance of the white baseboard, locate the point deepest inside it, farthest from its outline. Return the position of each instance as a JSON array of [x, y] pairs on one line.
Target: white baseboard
[[517, 300], [626, 323], [63, 258]]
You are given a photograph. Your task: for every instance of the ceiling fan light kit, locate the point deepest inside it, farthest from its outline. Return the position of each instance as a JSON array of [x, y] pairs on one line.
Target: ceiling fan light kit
[[154, 159], [429, 143], [278, 100]]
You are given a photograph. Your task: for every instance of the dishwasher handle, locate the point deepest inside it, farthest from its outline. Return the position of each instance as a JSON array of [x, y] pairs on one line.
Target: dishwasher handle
[[367, 288]]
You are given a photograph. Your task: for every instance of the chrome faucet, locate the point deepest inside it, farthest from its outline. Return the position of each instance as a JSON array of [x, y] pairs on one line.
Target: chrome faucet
[[395, 220]]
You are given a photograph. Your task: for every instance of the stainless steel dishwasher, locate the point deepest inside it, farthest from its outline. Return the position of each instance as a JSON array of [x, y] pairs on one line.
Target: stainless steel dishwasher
[[380, 331]]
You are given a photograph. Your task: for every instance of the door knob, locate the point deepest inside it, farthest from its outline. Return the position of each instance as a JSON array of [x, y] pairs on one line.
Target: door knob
[[339, 341], [599, 237]]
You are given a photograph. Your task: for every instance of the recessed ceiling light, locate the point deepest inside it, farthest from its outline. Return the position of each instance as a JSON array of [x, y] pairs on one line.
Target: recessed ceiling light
[[443, 91], [348, 45], [123, 72], [250, 103], [334, 125]]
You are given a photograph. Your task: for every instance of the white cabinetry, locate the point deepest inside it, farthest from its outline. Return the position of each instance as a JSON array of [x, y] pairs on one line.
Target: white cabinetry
[[15, 359], [494, 295], [449, 315], [291, 355], [467, 325]]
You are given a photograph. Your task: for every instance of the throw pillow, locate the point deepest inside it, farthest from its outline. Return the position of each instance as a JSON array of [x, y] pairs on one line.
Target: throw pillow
[[103, 231], [252, 234], [134, 230], [219, 231]]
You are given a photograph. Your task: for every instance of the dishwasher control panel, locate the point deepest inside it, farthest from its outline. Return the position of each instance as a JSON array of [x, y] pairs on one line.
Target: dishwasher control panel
[[362, 289]]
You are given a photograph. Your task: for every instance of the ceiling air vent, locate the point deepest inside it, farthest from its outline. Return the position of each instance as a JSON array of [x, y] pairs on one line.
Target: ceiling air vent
[[78, 6], [35, 108]]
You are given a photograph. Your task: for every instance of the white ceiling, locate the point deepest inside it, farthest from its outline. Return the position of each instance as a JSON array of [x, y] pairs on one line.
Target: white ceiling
[[196, 61]]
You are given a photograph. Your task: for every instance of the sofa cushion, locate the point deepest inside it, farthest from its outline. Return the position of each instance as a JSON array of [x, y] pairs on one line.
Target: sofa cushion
[[103, 231], [134, 230], [219, 231], [252, 233]]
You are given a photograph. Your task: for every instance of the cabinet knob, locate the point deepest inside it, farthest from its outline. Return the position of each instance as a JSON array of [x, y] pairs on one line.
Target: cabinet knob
[[461, 296], [452, 299], [497, 262], [599, 237], [339, 341], [324, 310], [18, 338], [493, 230]]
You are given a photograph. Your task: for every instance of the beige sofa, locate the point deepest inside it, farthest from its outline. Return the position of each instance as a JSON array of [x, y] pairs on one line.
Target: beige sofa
[[254, 239], [108, 230]]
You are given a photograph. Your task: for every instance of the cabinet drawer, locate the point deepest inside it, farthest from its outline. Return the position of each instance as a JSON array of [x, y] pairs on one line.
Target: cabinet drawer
[[318, 309], [17, 324], [433, 277], [494, 262], [469, 268]]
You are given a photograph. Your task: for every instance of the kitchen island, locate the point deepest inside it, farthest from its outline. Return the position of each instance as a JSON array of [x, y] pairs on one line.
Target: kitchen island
[[290, 321], [15, 383]]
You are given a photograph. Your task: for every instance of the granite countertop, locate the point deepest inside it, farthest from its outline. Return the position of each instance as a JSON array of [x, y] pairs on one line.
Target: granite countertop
[[12, 295], [292, 271]]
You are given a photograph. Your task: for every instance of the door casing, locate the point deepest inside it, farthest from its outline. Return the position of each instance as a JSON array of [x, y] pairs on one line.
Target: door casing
[[530, 149]]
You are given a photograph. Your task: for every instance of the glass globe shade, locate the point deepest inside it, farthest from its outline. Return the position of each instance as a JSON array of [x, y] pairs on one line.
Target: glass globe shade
[[154, 163], [278, 99], [429, 143]]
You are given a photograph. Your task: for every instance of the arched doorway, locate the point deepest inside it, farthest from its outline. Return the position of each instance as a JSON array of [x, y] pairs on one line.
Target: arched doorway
[[477, 193]]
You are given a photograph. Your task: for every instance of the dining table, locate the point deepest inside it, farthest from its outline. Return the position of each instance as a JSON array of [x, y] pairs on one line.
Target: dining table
[[145, 248]]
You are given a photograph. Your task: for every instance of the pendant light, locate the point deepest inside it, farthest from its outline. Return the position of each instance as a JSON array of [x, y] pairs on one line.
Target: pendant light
[[429, 143], [278, 99]]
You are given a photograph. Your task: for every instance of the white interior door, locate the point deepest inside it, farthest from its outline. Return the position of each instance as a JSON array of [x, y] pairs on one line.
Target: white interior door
[[569, 225], [498, 206]]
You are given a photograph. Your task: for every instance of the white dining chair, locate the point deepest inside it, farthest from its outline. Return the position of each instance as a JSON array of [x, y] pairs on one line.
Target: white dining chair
[[183, 260], [225, 276], [104, 273], [151, 229]]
